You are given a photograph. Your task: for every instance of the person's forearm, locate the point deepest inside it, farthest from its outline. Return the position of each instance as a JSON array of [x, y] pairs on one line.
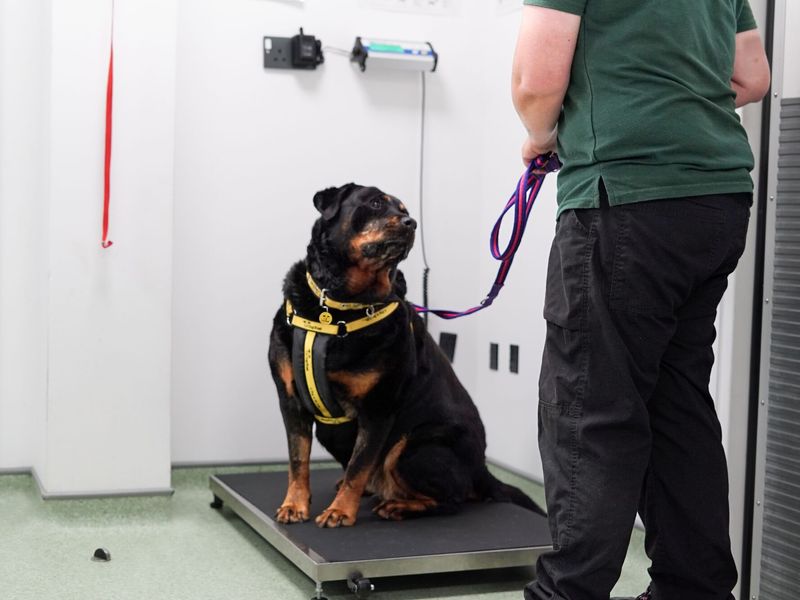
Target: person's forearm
[[539, 112]]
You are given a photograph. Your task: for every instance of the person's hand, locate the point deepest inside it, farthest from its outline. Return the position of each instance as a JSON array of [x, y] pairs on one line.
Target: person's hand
[[532, 148]]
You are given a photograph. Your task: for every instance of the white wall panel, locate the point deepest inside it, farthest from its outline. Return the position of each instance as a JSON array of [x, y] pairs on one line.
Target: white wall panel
[[109, 310], [252, 148], [791, 68], [23, 61]]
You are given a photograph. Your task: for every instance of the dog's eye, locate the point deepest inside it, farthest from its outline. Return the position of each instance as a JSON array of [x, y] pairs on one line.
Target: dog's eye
[[375, 203]]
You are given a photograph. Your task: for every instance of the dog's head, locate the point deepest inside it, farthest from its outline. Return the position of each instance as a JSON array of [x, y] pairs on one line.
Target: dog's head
[[367, 226], [364, 229]]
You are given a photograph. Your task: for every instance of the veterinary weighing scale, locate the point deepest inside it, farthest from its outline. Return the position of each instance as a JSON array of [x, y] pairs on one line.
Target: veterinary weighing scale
[[480, 536]]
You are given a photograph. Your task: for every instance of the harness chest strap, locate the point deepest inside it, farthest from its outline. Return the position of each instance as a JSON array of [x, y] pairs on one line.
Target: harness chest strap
[[296, 320], [308, 359], [309, 370]]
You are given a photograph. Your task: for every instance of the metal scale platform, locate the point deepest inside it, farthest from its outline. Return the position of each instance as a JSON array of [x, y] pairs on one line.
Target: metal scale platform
[[481, 536]]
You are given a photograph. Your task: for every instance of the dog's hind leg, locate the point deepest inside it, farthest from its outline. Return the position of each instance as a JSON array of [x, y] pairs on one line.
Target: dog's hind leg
[[423, 479]]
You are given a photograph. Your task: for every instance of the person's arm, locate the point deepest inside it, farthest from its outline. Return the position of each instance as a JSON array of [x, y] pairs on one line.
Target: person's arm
[[542, 65], [751, 76]]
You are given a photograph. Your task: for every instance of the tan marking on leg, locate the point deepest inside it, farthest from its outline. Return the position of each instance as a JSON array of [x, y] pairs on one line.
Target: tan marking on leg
[[357, 385], [295, 507], [287, 376], [385, 482], [344, 508], [398, 497]]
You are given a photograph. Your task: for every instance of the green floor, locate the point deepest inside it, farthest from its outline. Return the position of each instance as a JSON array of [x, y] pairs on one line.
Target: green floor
[[174, 548]]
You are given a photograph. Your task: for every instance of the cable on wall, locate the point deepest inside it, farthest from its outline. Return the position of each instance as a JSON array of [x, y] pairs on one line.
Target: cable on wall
[[426, 270]]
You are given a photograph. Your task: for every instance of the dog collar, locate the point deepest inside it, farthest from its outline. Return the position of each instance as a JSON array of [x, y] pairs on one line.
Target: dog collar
[[341, 328], [325, 301]]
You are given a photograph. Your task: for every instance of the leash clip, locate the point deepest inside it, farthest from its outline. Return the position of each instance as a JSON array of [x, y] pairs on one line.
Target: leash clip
[[342, 328], [322, 298]]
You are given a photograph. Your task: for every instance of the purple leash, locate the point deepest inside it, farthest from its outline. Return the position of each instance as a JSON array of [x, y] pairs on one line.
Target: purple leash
[[522, 202]]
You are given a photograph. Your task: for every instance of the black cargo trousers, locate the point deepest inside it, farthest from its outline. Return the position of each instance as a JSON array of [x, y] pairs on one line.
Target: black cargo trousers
[[626, 421]]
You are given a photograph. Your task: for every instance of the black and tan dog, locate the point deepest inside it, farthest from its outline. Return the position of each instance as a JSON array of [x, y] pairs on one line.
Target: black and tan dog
[[348, 352]]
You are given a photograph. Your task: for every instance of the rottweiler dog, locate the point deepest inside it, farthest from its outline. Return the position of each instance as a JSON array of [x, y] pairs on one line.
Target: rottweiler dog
[[351, 357]]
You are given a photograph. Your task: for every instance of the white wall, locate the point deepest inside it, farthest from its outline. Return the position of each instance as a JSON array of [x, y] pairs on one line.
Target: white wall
[[241, 131], [252, 148], [249, 148], [85, 346], [508, 401], [791, 67], [22, 254], [109, 310]]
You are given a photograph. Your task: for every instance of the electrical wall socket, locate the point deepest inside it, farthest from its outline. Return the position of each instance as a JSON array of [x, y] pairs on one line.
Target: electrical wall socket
[[424, 7], [513, 358]]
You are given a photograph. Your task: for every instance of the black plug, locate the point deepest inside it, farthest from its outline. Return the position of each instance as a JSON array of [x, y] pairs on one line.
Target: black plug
[[306, 51]]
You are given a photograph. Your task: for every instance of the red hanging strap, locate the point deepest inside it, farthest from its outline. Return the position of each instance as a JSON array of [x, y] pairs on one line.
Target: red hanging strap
[[106, 243]]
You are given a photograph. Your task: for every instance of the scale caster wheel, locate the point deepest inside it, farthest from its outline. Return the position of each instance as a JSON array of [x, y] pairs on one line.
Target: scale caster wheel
[[360, 586], [216, 503]]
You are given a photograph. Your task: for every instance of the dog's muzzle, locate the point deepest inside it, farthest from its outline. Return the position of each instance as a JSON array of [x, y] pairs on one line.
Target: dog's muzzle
[[395, 244]]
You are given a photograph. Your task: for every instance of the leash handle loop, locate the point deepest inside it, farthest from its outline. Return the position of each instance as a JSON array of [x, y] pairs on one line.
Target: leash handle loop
[[521, 202]]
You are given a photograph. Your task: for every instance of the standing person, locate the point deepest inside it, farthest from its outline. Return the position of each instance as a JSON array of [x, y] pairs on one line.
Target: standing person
[[638, 97]]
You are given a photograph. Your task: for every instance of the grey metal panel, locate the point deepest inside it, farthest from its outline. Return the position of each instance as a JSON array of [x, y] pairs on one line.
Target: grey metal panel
[[780, 530]]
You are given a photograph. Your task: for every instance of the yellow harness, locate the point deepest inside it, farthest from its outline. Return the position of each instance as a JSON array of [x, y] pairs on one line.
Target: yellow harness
[[309, 349]]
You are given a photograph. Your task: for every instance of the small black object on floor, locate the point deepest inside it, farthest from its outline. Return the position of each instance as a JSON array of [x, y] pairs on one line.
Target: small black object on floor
[[480, 536], [101, 555]]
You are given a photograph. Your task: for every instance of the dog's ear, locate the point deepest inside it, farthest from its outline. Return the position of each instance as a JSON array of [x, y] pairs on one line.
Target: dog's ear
[[329, 200]]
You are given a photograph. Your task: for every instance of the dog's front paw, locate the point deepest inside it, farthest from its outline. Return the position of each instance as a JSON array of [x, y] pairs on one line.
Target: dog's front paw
[[336, 517], [292, 512]]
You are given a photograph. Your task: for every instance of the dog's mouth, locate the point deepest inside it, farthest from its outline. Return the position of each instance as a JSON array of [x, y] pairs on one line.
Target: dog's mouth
[[385, 242], [387, 250]]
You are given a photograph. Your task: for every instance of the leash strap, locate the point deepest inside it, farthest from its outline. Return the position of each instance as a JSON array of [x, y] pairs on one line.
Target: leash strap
[[521, 202], [106, 243]]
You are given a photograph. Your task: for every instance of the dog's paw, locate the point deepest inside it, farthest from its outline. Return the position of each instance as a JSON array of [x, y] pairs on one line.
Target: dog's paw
[[391, 510], [335, 517], [396, 510], [292, 513]]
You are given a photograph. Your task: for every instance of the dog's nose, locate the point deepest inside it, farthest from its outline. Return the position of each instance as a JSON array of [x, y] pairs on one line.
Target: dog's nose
[[409, 222]]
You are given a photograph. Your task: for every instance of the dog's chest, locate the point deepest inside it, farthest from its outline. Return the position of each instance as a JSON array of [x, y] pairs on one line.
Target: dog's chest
[[331, 381]]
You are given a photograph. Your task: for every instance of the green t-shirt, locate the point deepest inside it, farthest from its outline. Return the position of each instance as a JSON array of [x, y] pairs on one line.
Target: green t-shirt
[[649, 108]]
